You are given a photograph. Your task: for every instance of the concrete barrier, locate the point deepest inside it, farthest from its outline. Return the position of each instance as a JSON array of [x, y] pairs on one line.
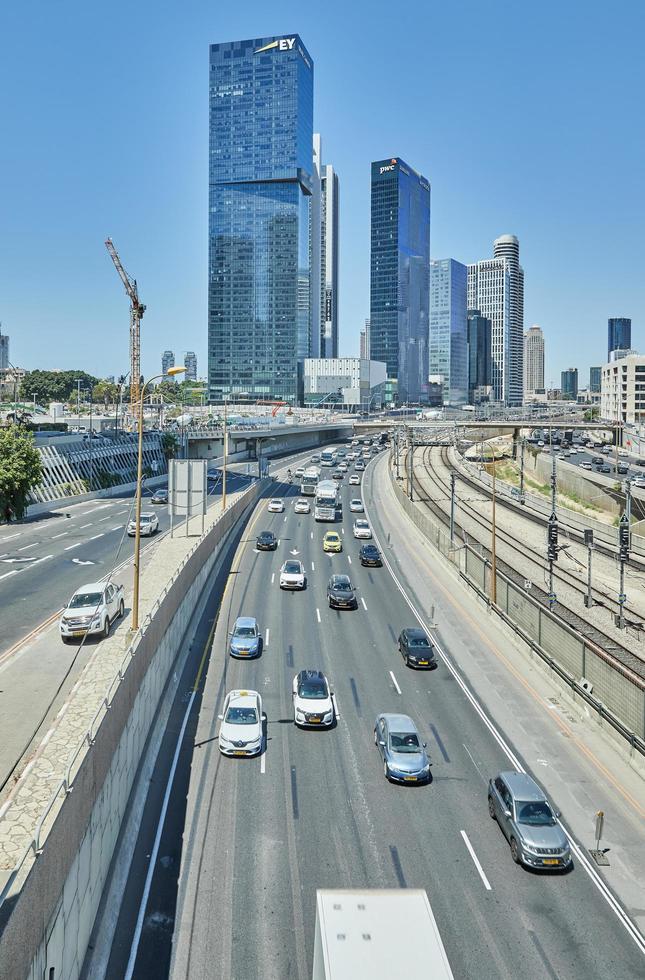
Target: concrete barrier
[[52, 892]]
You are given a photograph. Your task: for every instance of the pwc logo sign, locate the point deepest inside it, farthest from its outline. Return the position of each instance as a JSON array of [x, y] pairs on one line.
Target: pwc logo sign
[[283, 44], [390, 166]]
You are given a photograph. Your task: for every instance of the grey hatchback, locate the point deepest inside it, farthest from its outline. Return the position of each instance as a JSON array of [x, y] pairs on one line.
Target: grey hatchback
[[528, 822], [245, 637], [404, 754]]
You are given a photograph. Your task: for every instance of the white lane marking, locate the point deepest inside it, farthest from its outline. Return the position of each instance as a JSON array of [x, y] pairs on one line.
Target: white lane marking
[[118, 527], [106, 518], [364, 605], [349, 559], [263, 763], [311, 535], [474, 763], [272, 578], [266, 642], [27, 546], [61, 535], [95, 536], [313, 567], [83, 526], [471, 851], [620, 914], [318, 615], [70, 546], [155, 850], [285, 518], [10, 536], [343, 530], [7, 574], [394, 681], [279, 542], [124, 511]]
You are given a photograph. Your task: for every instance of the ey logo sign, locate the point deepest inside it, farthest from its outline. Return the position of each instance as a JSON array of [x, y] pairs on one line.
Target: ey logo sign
[[284, 44]]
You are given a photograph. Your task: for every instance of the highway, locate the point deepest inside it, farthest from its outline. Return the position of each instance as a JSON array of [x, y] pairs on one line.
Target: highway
[[256, 837]]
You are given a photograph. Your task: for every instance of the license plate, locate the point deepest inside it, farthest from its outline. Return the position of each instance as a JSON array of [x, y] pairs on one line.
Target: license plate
[[78, 633], [244, 653], [315, 721], [423, 663], [239, 753], [410, 779], [550, 861]]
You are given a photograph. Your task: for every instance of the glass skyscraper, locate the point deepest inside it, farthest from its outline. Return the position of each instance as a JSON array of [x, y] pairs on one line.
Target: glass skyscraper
[[448, 341], [480, 375], [260, 165], [619, 334], [399, 276]]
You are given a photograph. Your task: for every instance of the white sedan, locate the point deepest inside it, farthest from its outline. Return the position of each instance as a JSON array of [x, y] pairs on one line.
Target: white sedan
[[300, 472], [292, 574], [354, 480], [148, 525], [356, 506], [302, 506], [276, 506], [362, 529], [240, 732], [585, 465]]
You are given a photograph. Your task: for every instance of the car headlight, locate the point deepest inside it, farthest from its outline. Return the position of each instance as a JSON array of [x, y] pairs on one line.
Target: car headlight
[[224, 739], [96, 621]]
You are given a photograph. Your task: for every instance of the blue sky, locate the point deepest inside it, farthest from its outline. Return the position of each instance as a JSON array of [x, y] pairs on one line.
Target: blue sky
[[527, 119]]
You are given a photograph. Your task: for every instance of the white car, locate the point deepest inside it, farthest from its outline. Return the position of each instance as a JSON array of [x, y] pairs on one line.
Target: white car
[[292, 574], [240, 732], [362, 529], [313, 705], [148, 525], [300, 471], [356, 506], [91, 610], [354, 480], [350, 457], [639, 482], [276, 506], [585, 465], [342, 467], [302, 506]]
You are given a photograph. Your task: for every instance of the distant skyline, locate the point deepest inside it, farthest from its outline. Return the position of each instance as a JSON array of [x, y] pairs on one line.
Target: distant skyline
[[99, 141]]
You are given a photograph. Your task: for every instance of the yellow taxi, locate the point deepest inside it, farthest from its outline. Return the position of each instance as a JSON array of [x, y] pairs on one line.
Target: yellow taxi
[[332, 541]]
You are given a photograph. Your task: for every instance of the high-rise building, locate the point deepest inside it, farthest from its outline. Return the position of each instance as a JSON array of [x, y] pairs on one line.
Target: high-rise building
[[533, 361], [448, 333], [622, 394], [479, 357], [595, 378], [327, 198], [364, 340], [190, 363], [167, 361], [4, 351], [496, 287], [569, 385], [399, 276], [619, 334], [260, 245]]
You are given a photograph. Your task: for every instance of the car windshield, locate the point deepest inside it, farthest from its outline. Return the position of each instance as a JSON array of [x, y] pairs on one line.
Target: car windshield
[[86, 599], [536, 814], [266, 536], [312, 689], [292, 567], [342, 586], [402, 742], [241, 716], [418, 641], [145, 518], [244, 631], [332, 537], [278, 502]]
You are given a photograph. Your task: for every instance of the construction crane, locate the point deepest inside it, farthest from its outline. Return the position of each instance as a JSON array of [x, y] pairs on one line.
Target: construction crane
[[137, 309]]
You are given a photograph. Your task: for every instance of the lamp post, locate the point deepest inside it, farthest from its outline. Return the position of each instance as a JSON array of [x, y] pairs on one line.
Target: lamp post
[[225, 448], [137, 532]]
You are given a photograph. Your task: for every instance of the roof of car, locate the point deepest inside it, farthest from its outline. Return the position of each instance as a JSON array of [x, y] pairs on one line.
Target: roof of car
[[243, 699], [92, 587], [402, 722], [523, 785], [246, 621], [311, 675], [331, 534], [266, 534], [416, 632]]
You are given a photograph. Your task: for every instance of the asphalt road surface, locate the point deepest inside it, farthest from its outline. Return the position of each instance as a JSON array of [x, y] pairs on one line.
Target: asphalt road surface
[[233, 890]]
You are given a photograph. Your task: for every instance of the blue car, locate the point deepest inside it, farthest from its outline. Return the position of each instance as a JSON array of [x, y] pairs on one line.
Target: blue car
[[245, 638], [405, 759]]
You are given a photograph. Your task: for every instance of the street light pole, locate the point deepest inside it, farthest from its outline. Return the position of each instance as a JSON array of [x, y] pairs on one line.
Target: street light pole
[[452, 508], [225, 448]]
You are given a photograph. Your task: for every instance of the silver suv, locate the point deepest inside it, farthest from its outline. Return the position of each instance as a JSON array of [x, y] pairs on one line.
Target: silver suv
[[529, 823]]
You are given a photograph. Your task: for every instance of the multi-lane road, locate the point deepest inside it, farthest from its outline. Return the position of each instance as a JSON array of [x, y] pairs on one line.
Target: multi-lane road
[[231, 894]]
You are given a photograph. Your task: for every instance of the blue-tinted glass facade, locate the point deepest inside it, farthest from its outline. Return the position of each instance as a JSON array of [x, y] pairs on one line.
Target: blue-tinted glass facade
[[619, 334], [399, 276], [480, 372], [448, 340], [595, 375], [261, 131]]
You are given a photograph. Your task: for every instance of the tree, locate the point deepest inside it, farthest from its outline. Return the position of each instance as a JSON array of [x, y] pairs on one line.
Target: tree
[[169, 444], [105, 393], [592, 413], [54, 386], [21, 470]]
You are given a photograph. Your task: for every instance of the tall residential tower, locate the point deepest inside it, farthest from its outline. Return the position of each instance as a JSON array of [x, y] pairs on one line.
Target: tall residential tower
[[533, 361], [260, 183], [448, 335], [399, 276], [327, 200]]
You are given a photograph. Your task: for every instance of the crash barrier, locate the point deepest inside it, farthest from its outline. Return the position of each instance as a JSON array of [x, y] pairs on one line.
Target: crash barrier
[[617, 695], [50, 896]]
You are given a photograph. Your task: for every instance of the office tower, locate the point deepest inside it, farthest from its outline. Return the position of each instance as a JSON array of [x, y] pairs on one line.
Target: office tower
[[190, 363], [533, 361], [364, 342], [448, 333], [167, 361], [327, 199], [479, 357], [496, 288], [569, 385], [619, 334], [595, 378], [260, 185], [399, 276], [4, 351]]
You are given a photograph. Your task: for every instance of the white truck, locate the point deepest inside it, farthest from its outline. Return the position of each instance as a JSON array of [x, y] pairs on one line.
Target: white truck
[[359, 933], [91, 610]]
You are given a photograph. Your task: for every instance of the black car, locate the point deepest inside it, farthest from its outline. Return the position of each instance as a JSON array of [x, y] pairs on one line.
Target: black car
[[266, 541], [340, 593], [417, 648], [159, 497], [370, 555], [337, 475], [623, 469], [598, 461], [604, 469]]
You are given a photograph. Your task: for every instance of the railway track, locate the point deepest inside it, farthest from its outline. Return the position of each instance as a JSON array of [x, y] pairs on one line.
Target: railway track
[[434, 501]]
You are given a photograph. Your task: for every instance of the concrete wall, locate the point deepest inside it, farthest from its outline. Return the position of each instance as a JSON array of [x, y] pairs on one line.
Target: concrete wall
[[61, 504], [571, 480], [47, 924]]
